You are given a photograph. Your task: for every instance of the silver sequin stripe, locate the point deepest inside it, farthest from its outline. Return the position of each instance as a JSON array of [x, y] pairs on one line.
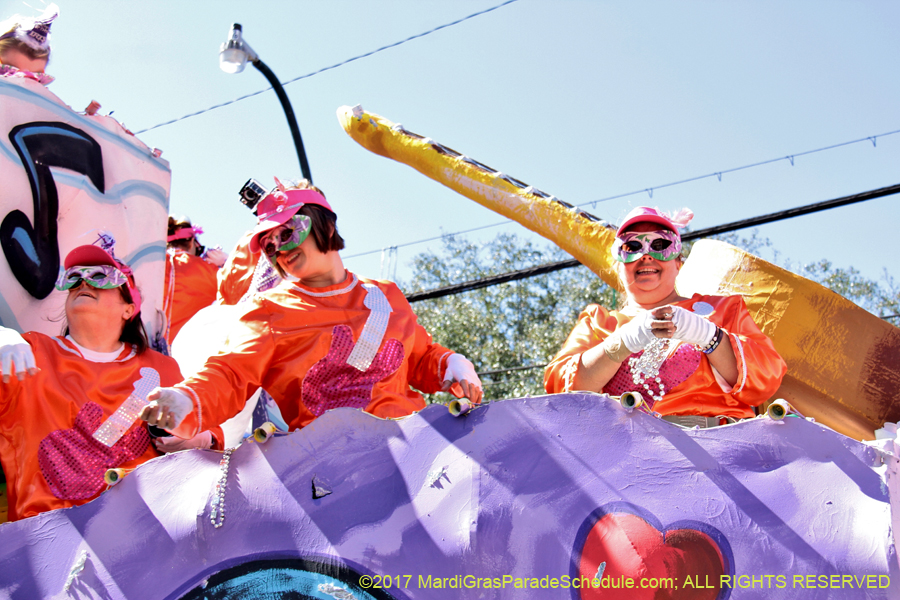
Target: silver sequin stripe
[[373, 332], [112, 430]]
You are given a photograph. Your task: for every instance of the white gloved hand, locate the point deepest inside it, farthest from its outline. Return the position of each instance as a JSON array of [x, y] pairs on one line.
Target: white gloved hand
[[14, 350], [692, 328], [638, 332], [631, 337], [202, 440], [167, 409], [461, 369], [216, 256]]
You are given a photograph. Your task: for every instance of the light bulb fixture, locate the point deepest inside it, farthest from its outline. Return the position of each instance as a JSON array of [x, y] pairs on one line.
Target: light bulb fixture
[[235, 52]]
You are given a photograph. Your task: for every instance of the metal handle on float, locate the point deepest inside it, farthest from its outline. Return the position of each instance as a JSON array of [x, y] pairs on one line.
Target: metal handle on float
[[459, 407], [631, 400], [779, 410], [265, 431]]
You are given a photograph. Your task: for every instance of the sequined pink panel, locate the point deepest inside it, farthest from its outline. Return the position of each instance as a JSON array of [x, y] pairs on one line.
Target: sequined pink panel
[[73, 462], [331, 382], [674, 371]]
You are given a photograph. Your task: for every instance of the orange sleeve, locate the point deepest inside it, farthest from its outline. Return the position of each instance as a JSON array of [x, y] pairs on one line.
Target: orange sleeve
[[594, 324], [236, 274], [428, 361], [760, 367], [220, 390]]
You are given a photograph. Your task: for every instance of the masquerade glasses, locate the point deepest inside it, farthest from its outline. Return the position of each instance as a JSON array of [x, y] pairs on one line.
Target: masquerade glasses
[[286, 237], [103, 277], [662, 245]]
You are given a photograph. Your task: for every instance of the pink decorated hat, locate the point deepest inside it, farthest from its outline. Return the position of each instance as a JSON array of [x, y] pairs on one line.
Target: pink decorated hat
[[279, 206], [89, 256], [645, 214]]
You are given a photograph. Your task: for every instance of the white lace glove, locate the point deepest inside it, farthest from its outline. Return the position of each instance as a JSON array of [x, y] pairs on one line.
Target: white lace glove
[[202, 440], [692, 328], [216, 256], [14, 350], [167, 409], [631, 337], [461, 369]]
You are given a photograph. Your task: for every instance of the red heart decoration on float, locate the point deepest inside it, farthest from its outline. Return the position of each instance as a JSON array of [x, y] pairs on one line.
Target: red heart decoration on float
[[669, 564]]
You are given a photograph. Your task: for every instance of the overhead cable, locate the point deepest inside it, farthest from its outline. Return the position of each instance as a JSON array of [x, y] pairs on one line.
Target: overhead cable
[[334, 66]]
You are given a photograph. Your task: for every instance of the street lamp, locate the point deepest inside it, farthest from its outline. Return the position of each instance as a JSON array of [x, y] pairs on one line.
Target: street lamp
[[233, 56]]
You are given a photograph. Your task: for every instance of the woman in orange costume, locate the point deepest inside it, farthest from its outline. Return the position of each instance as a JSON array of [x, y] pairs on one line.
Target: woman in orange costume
[[58, 393], [323, 338], [190, 280], [701, 356]]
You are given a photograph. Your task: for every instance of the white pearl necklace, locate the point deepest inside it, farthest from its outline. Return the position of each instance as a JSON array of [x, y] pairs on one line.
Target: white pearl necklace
[[217, 514], [647, 367]]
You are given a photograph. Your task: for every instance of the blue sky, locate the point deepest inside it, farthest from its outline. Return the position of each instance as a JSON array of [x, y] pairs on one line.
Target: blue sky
[[584, 100]]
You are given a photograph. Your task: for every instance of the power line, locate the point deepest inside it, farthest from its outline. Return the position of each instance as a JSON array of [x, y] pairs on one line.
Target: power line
[[525, 368], [477, 284], [650, 190], [334, 66]]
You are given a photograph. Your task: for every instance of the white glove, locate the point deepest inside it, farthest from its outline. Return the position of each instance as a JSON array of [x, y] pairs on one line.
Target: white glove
[[167, 409], [692, 328], [637, 333], [14, 350], [461, 369], [202, 440], [216, 256]]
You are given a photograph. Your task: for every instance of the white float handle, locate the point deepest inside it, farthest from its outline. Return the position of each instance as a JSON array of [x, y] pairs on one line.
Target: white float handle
[[631, 400], [114, 476], [264, 432], [779, 410], [459, 407]]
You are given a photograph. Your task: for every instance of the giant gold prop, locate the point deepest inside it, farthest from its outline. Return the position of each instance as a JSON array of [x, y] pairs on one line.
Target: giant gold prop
[[581, 234]]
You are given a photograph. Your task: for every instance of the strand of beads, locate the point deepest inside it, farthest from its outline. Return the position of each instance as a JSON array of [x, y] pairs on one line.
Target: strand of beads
[[647, 367], [217, 514]]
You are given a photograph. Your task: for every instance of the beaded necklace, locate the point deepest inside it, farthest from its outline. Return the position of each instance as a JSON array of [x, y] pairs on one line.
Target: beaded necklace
[[647, 367]]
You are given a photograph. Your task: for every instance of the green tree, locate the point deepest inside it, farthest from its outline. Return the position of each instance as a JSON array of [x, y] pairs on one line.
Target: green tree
[[508, 326]]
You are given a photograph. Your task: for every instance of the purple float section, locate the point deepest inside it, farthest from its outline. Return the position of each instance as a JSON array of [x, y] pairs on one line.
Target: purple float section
[[512, 489]]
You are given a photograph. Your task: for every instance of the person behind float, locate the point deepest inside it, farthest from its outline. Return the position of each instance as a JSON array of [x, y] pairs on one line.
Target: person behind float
[[25, 46], [191, 275], [323, 338], [58, 395], [701, 356]]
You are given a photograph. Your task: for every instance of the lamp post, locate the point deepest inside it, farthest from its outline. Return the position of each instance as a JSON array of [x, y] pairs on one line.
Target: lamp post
[[233, 56]]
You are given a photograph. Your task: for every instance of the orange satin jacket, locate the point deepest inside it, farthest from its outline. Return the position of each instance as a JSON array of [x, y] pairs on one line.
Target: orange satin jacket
[[46, 424], [298, 343], [190, 285], [760, 368]]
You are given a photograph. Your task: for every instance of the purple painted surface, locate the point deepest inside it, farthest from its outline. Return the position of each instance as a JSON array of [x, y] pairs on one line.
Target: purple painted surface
[[512, 489]]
